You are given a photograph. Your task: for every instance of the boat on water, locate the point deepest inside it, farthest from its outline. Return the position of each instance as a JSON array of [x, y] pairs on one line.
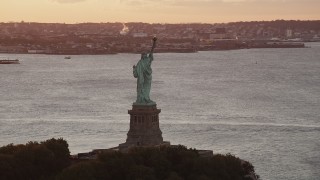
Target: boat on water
[[67, 57], [9, 61]]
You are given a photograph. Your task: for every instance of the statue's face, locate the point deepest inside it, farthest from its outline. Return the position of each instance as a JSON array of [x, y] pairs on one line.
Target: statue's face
[[143, 55]]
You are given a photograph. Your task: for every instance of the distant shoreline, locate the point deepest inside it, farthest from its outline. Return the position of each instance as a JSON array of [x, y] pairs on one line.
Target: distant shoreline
[[113, 38], [254, 45]]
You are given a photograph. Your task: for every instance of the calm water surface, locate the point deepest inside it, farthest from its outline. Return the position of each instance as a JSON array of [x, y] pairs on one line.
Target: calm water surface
[[262, 105]]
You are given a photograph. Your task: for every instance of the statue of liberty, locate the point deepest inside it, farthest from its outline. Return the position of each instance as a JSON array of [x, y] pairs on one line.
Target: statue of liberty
[[143, 72]]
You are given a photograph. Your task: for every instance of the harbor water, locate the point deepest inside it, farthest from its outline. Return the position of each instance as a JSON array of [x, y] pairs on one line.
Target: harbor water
[[262, 105]]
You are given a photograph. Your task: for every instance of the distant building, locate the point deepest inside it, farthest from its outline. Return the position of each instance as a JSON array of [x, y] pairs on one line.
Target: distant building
[[217, 36], [36, 51], [289, 33], [140, 34], [220, 30], [89, 45], [220, 33], [160, 28]]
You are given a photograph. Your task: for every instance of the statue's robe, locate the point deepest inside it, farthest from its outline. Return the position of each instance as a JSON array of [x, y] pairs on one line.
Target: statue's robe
[[143, 73]]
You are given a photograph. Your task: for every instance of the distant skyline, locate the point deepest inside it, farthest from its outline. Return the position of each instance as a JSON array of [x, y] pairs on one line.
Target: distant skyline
[[157, 11]]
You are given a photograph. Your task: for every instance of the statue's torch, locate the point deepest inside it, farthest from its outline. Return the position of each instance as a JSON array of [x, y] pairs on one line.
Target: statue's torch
[[154, 39]]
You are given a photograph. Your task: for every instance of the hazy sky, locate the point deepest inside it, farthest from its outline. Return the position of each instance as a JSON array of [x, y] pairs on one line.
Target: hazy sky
[[162, 11]]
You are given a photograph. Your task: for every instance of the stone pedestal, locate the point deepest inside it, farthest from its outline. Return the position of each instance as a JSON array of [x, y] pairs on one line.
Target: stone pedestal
[[144, 127]]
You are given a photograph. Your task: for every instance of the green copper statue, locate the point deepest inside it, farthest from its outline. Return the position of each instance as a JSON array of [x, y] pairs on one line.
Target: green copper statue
[[143, 72]]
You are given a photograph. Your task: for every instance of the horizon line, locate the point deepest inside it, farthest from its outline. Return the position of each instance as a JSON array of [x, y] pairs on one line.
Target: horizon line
[[92, 22]]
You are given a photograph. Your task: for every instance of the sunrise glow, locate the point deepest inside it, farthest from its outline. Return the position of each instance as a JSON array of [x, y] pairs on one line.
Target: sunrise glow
[[157, 11]]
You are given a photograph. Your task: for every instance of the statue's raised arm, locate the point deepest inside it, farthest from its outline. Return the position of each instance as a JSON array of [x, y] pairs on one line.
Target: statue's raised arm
[[143, 72], [154, 39]]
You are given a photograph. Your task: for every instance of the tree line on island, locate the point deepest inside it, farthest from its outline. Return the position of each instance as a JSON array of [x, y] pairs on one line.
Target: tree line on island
[[51, 160]]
